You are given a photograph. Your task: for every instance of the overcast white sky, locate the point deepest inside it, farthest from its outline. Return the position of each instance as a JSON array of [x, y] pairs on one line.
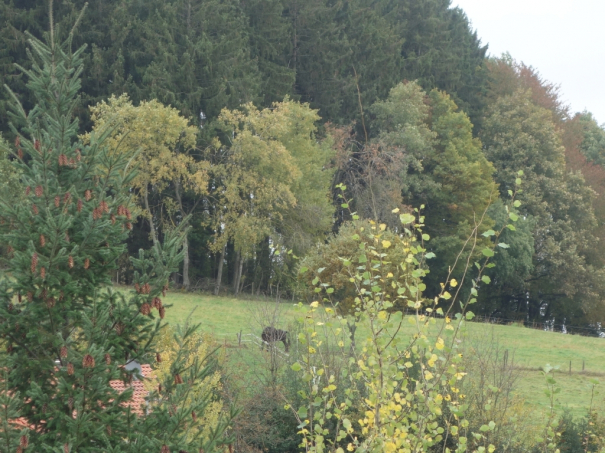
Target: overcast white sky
[[563, 39]]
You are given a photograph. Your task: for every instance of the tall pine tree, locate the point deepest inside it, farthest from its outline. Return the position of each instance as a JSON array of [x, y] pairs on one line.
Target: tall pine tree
[[66, 335]]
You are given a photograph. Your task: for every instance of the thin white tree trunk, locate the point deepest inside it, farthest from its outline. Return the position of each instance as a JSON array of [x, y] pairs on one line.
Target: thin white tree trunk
[[219, 275]]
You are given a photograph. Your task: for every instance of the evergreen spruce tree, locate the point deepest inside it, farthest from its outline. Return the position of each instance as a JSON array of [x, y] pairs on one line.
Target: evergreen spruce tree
[[66, 335]]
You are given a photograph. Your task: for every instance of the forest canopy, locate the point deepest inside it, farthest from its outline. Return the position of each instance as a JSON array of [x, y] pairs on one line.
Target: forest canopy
[[245, 116]]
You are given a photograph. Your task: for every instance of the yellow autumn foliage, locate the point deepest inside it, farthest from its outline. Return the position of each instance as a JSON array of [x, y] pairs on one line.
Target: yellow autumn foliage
[[158, 138], [196, 346]]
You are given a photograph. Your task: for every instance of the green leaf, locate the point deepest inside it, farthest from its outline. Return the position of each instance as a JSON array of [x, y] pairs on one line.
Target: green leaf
[[485, 279], [489, 233], [518, 181], [296, 366], [303, 269], [470, 315], [503, 245], [517, 203], [514, 217], [510, 192], [511, 227], [487, 252], [315, 281], [429, 255], [426, 237], [330, 290], [345, 205], [320, 270], [363, 258], [406, 218], [520, 173]]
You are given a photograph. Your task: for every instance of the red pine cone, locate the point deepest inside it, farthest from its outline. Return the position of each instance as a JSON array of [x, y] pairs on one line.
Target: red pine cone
[[63, 160], [158, 358], [146, 288], [43, 273], [108, 428], [88, 361], [129, 225], [63, 351], [39, 191], [42, 240], [20, 153], [70, 262], [50, 302], [193, 416], [137, 288], [113, 219], [27, 190], [57, 201], [86, 263], [30, 296], [178, 379], [70, 369], [34, 264], [37, 145], [162, 312], [107, 359], [66, 197], [23, 442], [78, 155], [80, 204], [19, 298], [159, 388], [70, 402], [145, 309], [87, 194], [17, 141], [66, 448], [157, 303], [128, 214], [35, 209], [165, 449]]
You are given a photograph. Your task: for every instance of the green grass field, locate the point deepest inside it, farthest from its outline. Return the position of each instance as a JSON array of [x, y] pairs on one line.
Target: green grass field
[[225, 317]]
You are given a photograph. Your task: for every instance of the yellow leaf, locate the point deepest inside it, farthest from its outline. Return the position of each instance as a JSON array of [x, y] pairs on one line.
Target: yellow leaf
[[453, 283], [383, 227], [386, 244], [440, 343]]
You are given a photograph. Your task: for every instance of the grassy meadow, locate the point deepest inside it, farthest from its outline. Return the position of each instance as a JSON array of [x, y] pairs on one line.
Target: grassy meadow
[[225, 317]]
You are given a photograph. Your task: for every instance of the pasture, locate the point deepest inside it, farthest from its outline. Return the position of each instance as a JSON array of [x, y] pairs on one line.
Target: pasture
[[225, 317]]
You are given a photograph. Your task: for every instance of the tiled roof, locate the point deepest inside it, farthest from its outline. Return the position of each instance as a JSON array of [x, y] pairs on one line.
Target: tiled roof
[[137, 403]]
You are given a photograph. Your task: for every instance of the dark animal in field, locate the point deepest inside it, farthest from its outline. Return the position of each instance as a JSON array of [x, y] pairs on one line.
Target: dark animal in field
[[270, 335]]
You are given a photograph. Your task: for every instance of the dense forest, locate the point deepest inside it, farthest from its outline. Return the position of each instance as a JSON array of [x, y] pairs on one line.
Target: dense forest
[[248, 117]]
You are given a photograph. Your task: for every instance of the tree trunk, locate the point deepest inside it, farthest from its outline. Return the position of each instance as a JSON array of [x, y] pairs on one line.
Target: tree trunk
[[219, 274], [154, 235], [237, 272], [186, 282], [240, 281]]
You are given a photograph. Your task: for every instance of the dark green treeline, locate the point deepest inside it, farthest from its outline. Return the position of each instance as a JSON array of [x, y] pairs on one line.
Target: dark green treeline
[[478, 121]]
